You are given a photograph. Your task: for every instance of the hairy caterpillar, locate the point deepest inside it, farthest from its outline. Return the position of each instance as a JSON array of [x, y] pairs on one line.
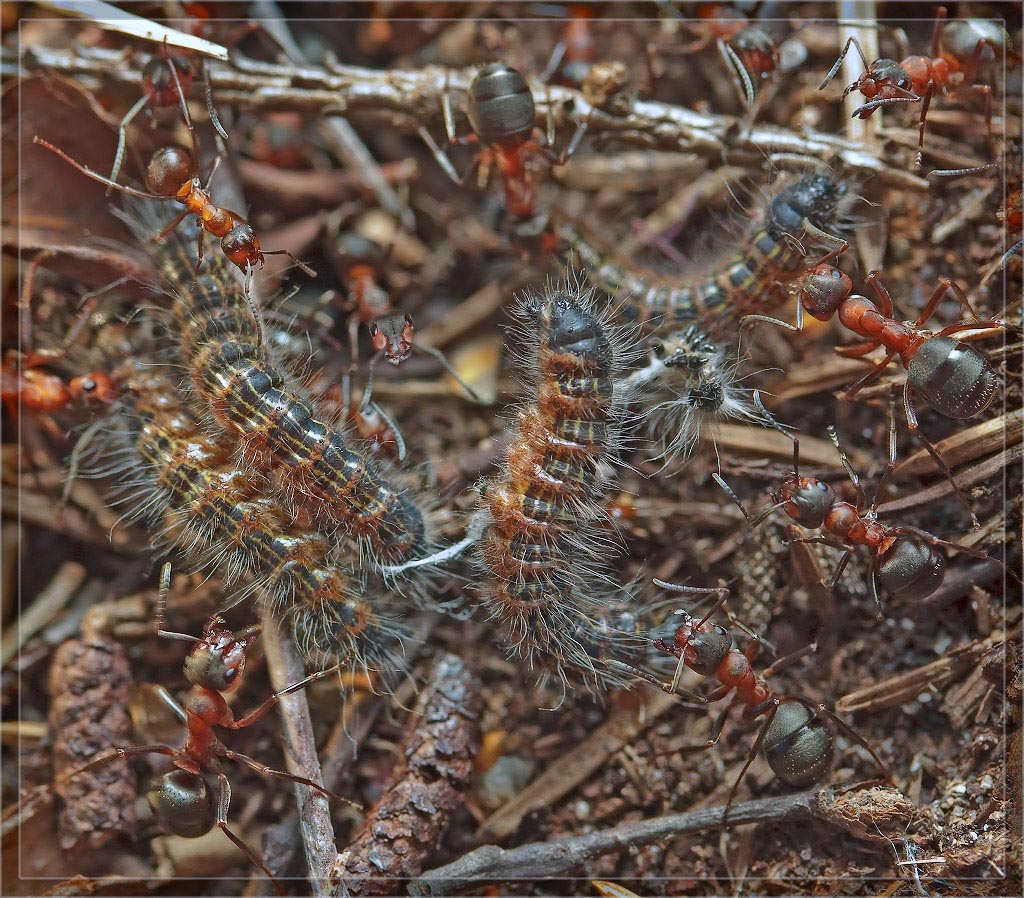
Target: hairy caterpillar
[[251, 395], [542, 547], [776, 249], [220, 517]]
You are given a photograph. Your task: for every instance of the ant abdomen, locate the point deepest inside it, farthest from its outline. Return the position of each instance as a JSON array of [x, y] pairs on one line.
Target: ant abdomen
[[952, 377], [911, 569], [169, 168], [798, 745], [501, 108], [183, 804]]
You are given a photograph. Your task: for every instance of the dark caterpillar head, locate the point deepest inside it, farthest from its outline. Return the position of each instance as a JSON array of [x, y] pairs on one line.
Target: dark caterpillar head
[[814, 197], [571, 328]]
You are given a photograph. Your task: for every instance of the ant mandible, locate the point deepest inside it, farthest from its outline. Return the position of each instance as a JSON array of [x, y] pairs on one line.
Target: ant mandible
[[905, 561], [171, 176], [502, 114], [185, 801], [796, 738], [916, 79], [951, 376]]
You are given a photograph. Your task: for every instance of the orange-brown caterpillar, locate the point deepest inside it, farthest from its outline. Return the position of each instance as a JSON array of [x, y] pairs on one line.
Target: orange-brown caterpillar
[[542, 543], [222, 519], [776, 249], [252, 396]]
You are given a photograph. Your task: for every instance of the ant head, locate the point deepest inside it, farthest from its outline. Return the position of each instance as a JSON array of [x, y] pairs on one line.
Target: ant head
[[798, 745], [758, 50], [242, 246], [952, 377], [158, 80], [183, 804], [169, 168], [501, 108], [822, 290], [881, 79], [218, 661], [806, 500], [93, 387], [392, 335], [706, 649], [910, 569]]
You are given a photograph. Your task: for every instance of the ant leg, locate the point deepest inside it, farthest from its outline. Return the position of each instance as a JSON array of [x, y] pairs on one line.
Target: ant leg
[[185, 113], [440, 156], [789, 660], [253, 764], [738, 74], [178, 219], [944, 286], [223, 803], [862, 499], [823, 710], [554, 61], [210, 108], [115, 754], [122, 137], [874, 281], [844, 560], [440, 356], [309, 272], [856, 350], [914, 427], [890, 466], [774, 707], [832, 72], [623, 667], [872, 375], [927, 101], [940, 18], [258, 713], [95, 175]]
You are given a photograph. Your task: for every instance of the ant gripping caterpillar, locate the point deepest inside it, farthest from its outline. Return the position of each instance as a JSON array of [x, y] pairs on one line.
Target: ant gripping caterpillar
[[773, 252], [251, 395], [198, 500], [540, 545]]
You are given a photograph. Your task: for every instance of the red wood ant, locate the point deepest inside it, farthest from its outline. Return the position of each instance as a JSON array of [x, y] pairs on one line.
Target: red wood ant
[[905, 561], [951, 376], [749, 50], [502, 113], [25, 386], [576, 50], [796, 738], [160, 90], [194, 797], [391, 333], [916, 79], [171, 176]]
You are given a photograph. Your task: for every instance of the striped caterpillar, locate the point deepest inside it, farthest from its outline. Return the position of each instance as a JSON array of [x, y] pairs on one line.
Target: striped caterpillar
[[250, 395], [541, 547], [196, 499], [776, 249]]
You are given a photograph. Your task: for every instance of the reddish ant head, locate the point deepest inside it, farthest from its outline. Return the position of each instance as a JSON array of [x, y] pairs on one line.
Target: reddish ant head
[[393, 335], [94, 387], [952, 377], [798, 745], [158, 80], [242, 246], [756, 47], [501, 108], [168, 170], [884, 78], [706, 649], [183, 804], [911, 569], [806, 500], [218, 660], [822, 290]]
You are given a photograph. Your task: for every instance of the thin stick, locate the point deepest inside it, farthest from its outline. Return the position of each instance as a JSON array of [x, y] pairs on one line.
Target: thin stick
[[561, 858], [285, 667]]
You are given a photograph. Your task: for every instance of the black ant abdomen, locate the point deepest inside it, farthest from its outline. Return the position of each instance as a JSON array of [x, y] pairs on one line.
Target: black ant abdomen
[[501, 108], [798, 745], [911, 569], [183, 804], [952, 377]]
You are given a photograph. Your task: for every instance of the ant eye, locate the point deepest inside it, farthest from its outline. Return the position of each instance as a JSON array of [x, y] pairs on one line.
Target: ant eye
[[904, 83], [230, 673], [88, 385]]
